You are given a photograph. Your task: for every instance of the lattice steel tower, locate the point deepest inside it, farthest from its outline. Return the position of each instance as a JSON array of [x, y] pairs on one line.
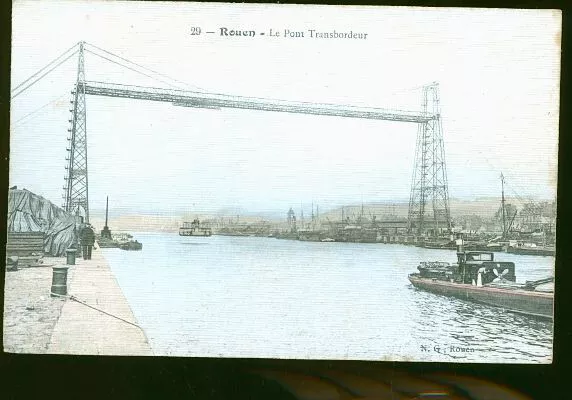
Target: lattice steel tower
[[429, 182], [76, 187]]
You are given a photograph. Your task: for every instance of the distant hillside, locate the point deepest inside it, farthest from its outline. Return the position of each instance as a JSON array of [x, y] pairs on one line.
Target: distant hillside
[[484, 207], [138, 223], [163, 222]]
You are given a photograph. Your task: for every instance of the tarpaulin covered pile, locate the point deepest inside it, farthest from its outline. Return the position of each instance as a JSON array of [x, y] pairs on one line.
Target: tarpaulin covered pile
[[28, 212]]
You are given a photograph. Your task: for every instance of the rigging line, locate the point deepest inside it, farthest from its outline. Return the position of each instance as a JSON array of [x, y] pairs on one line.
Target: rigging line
[[14, 124], [522, 201], [128, 67], [41, 76], [511, 185], [484, 157], [141, 66], [46, 66], [73, 298], [519, 198], [488, 161]]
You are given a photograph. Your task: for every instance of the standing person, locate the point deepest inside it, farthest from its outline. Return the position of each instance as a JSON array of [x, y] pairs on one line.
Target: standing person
[[77, 237], [87, 237]]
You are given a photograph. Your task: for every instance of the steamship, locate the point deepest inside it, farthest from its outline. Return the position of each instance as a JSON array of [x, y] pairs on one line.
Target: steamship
[[194, 228]]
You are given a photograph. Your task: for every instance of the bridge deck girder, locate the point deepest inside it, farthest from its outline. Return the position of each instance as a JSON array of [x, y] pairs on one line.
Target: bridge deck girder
[[216, 101]]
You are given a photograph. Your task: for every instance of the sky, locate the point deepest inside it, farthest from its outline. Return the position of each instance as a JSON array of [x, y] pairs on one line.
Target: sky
[[498, 73]]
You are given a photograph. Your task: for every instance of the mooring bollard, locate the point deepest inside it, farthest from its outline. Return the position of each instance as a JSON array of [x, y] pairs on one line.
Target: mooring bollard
[[70, 256], [12, 263], [59, 280]]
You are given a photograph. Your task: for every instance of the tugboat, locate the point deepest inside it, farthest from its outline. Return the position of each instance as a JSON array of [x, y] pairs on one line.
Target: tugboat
[[194, 229], [479, 278]]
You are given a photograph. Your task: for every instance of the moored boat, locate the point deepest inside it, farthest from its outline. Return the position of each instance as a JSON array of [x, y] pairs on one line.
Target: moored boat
[[478, 277], [310, 235], [123, 241], [356, 234], [532, 249], [131, 245]]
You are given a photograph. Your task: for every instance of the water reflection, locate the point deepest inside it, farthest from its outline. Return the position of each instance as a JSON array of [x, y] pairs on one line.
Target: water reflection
[[490, 331]]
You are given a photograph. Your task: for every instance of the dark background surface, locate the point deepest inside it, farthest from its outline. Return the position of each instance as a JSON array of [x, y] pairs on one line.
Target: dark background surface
[[26, 376]]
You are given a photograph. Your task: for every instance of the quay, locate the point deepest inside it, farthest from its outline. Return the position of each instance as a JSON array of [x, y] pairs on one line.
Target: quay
[[30, 314], [101, 321], [91, 320]]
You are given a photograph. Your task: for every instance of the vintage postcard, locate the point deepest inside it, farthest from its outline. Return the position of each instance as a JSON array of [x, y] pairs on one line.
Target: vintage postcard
[[282, 181]]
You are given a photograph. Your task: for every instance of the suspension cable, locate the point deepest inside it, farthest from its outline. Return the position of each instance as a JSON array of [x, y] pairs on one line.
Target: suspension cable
[[46, 66], [44, 74], [143, 67], [407, 90], [402, 91], [128, 67], [37, 110]]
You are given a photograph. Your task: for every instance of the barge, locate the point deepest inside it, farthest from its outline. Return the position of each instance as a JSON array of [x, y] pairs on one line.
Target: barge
[[478, 277], [532, 249]]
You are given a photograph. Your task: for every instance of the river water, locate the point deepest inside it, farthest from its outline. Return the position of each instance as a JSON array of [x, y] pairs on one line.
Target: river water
[[257, 297]]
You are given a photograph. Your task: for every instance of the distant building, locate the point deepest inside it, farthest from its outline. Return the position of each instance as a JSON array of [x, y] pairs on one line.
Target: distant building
[[291, 218]]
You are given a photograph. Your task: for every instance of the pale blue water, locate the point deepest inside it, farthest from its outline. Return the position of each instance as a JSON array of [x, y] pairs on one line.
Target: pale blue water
[[263, 297]]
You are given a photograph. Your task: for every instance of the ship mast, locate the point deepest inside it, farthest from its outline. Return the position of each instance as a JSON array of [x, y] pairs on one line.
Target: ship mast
[[312, 211], [105, 232], [503, 208], [106, 209]]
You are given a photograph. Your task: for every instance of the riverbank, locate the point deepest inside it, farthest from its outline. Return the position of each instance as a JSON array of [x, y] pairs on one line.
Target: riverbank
[[96, 320]]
